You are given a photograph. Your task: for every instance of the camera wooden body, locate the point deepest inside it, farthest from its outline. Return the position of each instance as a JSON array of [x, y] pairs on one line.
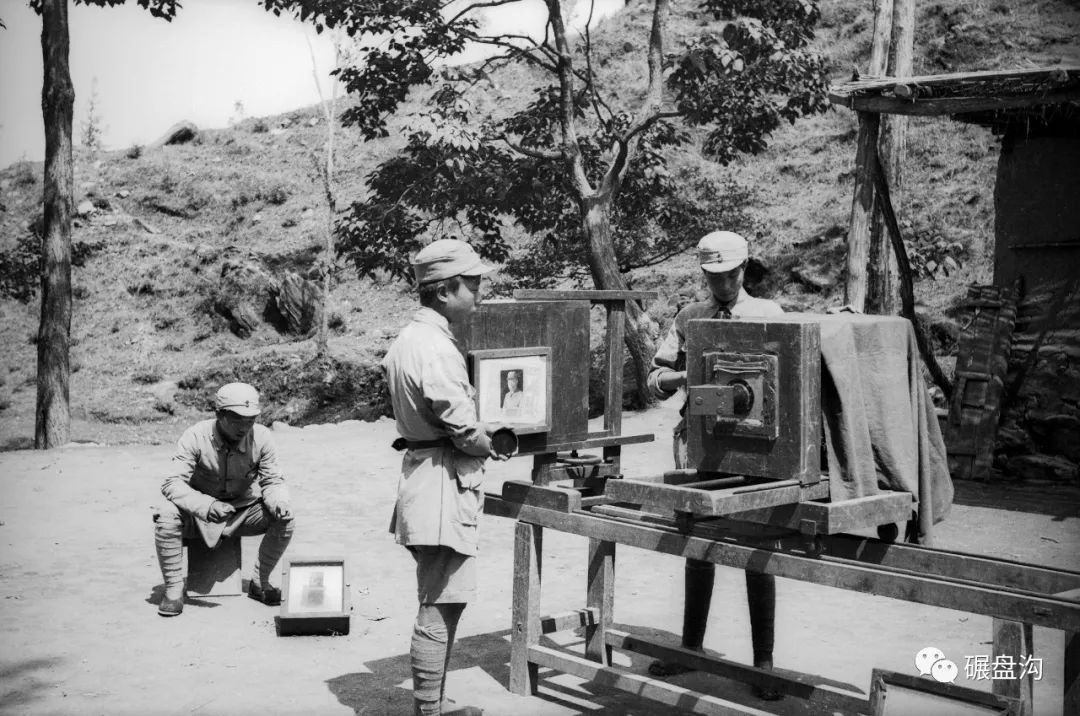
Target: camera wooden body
[[754, 397]]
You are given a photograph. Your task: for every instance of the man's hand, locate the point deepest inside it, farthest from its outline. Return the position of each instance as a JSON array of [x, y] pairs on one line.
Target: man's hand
[[219, 511], [280, 510]]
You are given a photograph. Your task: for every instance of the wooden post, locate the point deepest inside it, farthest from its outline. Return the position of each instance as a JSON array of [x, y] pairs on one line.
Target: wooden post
[[892, 144], [862, 205], [862, 211], [1014, 639], [1071, 703], [528, 555], [601, 596], [616, 324]]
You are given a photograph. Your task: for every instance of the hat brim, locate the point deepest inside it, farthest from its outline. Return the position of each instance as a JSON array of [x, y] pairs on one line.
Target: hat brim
[[479, 270], [244, 410], [722, 266]]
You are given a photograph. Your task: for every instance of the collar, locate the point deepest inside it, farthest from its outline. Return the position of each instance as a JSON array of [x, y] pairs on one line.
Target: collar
[[219, 442], [742, 296], [431, 317]]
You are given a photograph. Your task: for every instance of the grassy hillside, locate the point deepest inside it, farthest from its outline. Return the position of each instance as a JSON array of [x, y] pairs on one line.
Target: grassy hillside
[[147, 338]]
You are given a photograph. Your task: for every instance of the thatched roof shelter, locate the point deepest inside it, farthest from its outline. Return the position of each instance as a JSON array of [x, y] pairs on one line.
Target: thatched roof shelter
[[1025, 361], [994, 99]]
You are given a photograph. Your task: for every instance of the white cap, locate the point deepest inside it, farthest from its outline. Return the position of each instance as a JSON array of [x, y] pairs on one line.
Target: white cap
[[722, 251], [239, 398]]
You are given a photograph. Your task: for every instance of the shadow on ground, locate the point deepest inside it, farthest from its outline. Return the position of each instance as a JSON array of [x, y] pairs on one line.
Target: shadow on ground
[[480, 676], [22, 682]]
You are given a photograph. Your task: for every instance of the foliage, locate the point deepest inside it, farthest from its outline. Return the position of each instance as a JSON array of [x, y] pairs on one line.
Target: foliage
[[20, 266], [484, 178], [164, 9]]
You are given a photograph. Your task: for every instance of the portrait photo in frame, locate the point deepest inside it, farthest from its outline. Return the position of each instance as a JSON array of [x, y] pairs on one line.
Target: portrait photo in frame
[[513, 387], [314, 596]]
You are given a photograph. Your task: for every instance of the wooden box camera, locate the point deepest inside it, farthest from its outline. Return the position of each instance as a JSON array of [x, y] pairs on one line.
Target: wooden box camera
[[754, 397]]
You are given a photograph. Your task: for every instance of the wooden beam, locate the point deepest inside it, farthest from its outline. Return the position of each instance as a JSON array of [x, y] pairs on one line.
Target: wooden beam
[[642, 686], [878, 104], [565, 621], [560, 499], [803, 686], [976, 598], [597, 440], [597, 296], [687, 498], [834, 517]]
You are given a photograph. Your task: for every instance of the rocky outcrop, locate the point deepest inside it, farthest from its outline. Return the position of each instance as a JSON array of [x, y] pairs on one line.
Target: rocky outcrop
[[180, 133], [299, 302]]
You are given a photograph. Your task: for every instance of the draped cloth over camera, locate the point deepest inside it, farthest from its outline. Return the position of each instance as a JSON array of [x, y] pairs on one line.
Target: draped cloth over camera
[[881, 430]]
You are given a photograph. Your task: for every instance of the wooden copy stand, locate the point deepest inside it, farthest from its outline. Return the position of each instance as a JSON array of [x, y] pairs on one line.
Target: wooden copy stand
[[601, 507]]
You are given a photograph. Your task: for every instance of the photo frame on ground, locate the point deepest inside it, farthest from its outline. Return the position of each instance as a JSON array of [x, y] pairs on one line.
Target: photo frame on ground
[[896, 694], [513, 387], [314, 596]]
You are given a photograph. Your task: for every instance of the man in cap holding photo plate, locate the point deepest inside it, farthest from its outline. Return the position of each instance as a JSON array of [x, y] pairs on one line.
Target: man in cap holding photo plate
[[723, 256], [440, 494], [225, 481]]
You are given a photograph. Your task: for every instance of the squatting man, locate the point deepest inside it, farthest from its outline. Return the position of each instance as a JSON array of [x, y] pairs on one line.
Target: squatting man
[[224, 481]]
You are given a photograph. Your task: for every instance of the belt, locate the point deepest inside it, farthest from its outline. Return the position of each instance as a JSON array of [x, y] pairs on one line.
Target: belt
[[402, 444]]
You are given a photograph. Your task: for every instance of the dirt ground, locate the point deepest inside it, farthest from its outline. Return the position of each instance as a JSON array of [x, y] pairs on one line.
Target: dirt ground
[[79, 582]]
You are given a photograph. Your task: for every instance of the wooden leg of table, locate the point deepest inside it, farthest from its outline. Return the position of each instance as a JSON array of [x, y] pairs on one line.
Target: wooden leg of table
[[601, 597], [528, 555], [1072, 673], [1014, 639]]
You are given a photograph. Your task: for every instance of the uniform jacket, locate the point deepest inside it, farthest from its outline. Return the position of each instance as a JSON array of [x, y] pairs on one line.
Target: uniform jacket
[[205, 468], [439, 492], [671, 354]]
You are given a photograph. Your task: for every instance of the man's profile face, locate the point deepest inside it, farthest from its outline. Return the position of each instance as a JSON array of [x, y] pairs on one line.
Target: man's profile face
[[725, 286], [234, 427], [464, 299]]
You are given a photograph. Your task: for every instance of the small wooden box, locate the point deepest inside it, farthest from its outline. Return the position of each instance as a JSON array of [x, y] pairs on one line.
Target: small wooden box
[[314, 596], [777, 361], [214, 572]]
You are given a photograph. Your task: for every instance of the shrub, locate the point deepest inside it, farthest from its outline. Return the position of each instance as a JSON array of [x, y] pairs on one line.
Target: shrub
[[134, 151]]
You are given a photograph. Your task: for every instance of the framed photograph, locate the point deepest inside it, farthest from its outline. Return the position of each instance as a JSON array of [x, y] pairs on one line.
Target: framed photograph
[[513, 387], [896, 694], [314, 596]]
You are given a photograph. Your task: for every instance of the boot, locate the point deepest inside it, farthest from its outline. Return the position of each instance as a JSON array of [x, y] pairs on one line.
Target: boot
[[273, 545], [761, 598], [169, 543], [699, 578]]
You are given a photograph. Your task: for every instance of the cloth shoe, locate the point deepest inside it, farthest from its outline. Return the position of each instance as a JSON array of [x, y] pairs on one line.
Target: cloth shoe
[[171, 607], [270, 596]]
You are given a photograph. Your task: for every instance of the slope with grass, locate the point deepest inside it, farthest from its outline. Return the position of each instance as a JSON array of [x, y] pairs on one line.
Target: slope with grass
[[161, 223]]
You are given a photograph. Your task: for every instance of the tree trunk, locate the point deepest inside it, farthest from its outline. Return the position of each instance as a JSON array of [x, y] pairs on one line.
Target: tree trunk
[[54, 332], [596, 223], [883, 287], [862, 205]]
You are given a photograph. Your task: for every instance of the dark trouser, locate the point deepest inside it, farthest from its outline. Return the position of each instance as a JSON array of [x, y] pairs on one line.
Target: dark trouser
[[699, 578]]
